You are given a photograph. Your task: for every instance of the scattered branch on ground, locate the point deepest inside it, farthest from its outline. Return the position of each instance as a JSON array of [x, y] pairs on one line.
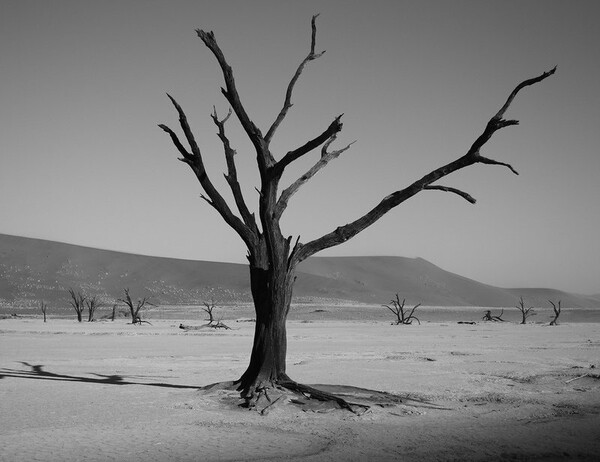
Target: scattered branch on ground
[[214, 325], [489, 317]]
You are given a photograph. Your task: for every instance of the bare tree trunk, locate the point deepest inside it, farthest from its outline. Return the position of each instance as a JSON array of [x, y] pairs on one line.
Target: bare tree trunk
[[44, 307], [272, 293]]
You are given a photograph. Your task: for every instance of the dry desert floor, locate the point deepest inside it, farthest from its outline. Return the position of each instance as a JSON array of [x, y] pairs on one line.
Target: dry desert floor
[[111, 391]]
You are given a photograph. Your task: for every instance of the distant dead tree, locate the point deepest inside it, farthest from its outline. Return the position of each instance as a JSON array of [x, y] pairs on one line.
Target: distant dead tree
[[78, 303], [134, 308], [489, 317], [403, 315], [114, 310], [525, 312], [43, 307], [556, 309], [208, 308], [92, 304], [273, 256]]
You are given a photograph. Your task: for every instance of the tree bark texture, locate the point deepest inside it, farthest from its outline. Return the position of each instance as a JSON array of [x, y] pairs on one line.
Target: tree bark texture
[[272, 294]]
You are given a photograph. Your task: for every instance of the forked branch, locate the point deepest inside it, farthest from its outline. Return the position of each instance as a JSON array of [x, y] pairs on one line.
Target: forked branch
[[334, 128], [196, 163], [287, 104], [403, 316], [230, 92], [473, 156], [525, 312], [326, 157], [135, 308], [231, 176]]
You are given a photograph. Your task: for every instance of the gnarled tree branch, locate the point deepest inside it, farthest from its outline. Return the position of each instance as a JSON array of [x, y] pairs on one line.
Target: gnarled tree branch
[[326, 157], [265, 159], [287, 104], [334, 128], [197, 165], [187, 157], [519, 87], [346, 232], [231, 176]]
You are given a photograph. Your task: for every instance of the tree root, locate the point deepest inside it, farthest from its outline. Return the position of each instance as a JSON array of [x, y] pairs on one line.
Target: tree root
[[313, 393], [266, 396]]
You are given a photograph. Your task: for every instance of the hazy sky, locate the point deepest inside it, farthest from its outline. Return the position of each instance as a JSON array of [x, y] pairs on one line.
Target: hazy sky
[[82, 89]]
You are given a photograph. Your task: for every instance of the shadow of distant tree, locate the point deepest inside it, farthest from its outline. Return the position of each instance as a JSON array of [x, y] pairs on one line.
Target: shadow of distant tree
[[37, 372]]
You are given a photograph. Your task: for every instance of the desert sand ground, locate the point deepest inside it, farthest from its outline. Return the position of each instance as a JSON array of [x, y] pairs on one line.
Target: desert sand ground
[[113, 391]]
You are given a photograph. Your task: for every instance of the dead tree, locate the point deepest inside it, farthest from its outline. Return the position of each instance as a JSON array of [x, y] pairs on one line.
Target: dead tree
[[92, 304], [525, 312], [489, 317], [403, 316], [556, 309], [114, 310], [43, 307], [273, 256], [208, 308], [78, 303], [135, 308]]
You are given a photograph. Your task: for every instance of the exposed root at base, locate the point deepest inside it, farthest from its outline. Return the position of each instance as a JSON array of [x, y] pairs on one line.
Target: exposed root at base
[[313, 393], [267, 396]]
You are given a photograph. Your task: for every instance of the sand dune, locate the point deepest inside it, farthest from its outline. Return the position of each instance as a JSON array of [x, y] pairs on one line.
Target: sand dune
[[33, 269]]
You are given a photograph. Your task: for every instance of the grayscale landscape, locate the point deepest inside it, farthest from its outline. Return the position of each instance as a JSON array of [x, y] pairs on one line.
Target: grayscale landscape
[[299, 231], [110, 390]]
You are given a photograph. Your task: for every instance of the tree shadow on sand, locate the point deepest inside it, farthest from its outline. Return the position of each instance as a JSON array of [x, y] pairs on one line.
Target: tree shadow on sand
[[37, 372], [306, 397]]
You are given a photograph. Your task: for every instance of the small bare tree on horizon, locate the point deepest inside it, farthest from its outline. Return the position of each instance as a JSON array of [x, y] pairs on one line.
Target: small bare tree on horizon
[[208, 308], [78, 303], [92, 305], [43, 307], [135, 308], [525, 312], [556, 308], [403, 315], [273, 256]]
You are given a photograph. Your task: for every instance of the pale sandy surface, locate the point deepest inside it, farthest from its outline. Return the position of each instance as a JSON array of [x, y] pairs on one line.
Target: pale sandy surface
[[112, 391]]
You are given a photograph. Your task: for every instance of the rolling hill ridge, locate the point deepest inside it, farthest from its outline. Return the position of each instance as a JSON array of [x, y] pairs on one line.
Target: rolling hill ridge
[[33, 269]]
